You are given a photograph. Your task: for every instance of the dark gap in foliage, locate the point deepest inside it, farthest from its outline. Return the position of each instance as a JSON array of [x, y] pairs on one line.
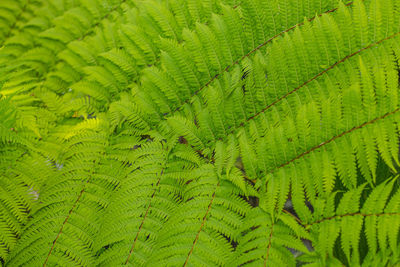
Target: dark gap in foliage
[[338, 251], [253, 201], [182, 140], [147, 137], [233, 243], [363, 245], [289, 207], [245, 73]]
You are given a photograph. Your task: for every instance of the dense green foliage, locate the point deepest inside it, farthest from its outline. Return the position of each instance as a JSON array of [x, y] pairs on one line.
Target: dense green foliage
[[199, 133]]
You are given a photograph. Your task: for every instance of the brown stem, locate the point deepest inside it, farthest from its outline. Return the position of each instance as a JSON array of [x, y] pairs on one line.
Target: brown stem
[[64, 223], [144, 218], [334, 138], [201, 227], [321, 73], [293, 216], [269, 245], [255, 50], [351, 214]]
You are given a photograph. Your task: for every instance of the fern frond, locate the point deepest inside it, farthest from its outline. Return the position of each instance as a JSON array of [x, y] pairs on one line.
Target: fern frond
[[209, 217], [141, 206], [266, 240], [205, 133], [64, 224], [358, 218]]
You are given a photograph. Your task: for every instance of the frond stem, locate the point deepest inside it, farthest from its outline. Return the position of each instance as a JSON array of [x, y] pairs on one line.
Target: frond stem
[[334, 138], [255, 50], [269, 245], [321, 73], [144, 218], [64, 223], [350, 214], [201, 227], [292, 215]]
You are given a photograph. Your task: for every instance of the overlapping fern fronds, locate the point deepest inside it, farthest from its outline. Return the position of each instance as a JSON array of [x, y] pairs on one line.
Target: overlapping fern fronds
[[199, 133]]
